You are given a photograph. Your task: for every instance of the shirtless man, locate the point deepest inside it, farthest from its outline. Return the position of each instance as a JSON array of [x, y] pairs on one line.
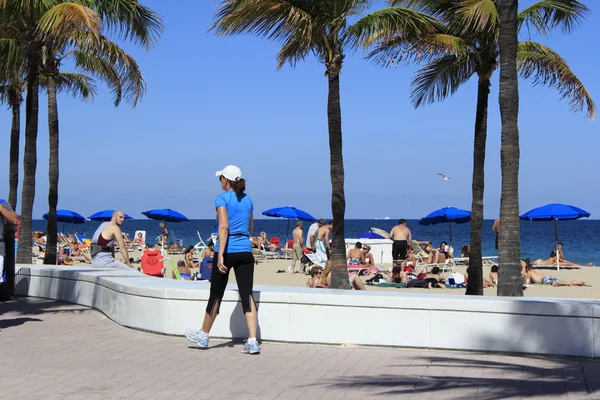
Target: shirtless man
[[298, 245], [402, 238], [103, 253], [311, 236], [535, 276], [323, 245], [496, 229]]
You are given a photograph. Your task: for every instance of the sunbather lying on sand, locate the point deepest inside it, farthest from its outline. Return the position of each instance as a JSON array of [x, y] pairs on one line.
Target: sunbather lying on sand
[[537, 277], [551, 261]]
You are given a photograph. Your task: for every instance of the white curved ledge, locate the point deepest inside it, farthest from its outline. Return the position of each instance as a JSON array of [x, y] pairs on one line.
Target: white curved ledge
[[290, 314]]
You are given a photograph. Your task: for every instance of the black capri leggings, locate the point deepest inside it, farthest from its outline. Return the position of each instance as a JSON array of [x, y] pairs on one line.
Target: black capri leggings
[[243, 264]]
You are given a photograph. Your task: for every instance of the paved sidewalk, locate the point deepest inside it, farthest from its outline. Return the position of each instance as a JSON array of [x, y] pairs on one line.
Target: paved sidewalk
[[52, 350]]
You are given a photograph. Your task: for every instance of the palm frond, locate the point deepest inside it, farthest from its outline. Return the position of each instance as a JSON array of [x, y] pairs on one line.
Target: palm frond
[[440, 78], [63, 19], [426, 48], [546, 15], [129, 20], [440, 9], [384, 24], [108, 62], [479, 15], [11, 56], [78, 85], [547, 68], [275, 19], [293, 51]]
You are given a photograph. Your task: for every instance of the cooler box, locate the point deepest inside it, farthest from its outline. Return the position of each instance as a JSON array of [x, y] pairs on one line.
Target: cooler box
[[151, 264]]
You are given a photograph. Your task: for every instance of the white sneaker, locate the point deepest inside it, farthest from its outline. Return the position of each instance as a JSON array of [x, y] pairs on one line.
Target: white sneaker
[[195, 336]]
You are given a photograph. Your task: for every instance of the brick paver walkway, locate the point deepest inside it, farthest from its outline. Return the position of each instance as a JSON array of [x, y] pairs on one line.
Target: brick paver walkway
[[52, 350]]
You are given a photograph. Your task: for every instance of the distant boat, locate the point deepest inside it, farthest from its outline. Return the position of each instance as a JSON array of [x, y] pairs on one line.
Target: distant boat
[[385, 218]]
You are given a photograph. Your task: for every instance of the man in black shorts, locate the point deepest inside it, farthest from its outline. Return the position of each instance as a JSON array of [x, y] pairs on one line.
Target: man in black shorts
[[402, 238]]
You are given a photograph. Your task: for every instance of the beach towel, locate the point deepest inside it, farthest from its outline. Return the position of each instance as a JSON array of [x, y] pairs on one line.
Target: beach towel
[[388, 284], [321, 253]]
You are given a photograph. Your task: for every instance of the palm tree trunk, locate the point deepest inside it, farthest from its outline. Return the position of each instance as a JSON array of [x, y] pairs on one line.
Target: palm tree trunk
[[339, 269], [475, 270], [29, 163], [50, 256], [509, 239], [15, 133]]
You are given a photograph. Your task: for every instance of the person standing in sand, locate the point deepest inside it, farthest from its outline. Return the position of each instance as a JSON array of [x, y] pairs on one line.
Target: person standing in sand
[[496, 229], [323, 244], [298, 245], [311, 236], [234, 251], [102, 248], [402, 238], [8, 214]]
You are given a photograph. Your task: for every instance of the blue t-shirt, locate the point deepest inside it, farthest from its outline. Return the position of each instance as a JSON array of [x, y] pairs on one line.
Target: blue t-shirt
[[238, 214]]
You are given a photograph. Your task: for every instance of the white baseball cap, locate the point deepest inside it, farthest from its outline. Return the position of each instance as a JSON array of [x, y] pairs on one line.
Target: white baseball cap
[[231, 172]]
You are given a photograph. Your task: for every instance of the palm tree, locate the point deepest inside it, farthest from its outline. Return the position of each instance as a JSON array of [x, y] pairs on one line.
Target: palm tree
[[466, 44], [94, 55], [323, 28], [11, 93], [509, 243], [28, 26]]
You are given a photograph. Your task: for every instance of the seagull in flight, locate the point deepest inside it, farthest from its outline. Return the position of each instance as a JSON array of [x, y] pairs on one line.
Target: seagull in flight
[[444, 177]]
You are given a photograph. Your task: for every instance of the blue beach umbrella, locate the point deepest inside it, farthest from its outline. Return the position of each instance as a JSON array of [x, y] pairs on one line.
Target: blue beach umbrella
[[555, 212], [289, 212], [67, 217], [369, 235], [166, 215], [447, 215], [105, 215]]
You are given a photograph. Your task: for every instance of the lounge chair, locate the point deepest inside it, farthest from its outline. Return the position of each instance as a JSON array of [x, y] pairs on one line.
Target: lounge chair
[[449, 265], [273, 255], [137, 245], [314, 259]]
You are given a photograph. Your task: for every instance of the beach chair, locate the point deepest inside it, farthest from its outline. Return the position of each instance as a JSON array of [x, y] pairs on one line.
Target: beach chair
[[137, 245], [288, 249], [449, 265], [152, 264], [201, 245], [314, 259], [357, 269], [274, 240], [418, 251], [273, 255]]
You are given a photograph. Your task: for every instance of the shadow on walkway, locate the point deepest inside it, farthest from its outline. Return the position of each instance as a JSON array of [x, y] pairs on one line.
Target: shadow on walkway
[[485, 378]]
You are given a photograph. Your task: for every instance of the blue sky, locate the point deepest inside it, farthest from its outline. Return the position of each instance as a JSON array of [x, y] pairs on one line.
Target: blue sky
[[214, 101]]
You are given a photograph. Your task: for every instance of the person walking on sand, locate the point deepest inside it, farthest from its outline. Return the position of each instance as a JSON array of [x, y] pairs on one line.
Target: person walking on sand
[[402, 238], [8, 214], [311, 235], [496, 229], [102, 248], [298, 245], [234, 250], [323, 244]]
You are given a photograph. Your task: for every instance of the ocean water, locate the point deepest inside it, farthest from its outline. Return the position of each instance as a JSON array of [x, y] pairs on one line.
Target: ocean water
[[579, 237]]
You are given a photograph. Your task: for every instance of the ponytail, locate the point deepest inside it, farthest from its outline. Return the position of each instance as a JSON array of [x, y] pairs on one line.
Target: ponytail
[[239, 187]]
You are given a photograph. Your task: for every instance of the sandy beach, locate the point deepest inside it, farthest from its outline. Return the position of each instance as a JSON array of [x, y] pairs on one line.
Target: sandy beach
[[265, 273]]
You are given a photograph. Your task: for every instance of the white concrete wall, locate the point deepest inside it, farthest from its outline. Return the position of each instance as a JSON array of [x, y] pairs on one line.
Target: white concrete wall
[[289, 314]]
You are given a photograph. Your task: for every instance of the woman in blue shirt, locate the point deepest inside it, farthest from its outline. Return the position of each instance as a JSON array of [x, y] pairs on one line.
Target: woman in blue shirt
[[233, 250]]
